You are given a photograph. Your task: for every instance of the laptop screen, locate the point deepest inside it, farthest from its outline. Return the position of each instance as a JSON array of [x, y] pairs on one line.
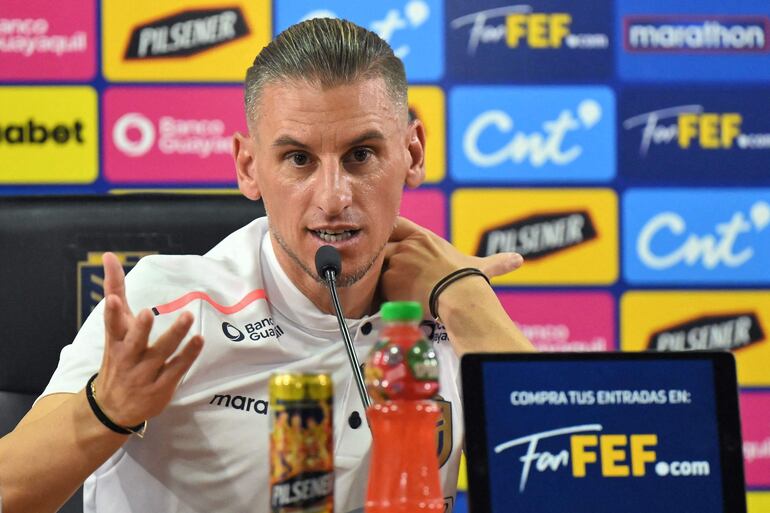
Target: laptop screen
[[603, 432]]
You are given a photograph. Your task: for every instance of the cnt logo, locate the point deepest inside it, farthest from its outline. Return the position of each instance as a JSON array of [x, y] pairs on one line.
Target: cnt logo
[[696, 34], [412, 16], [539, 235], [707, 249], [186, 33], [692, 127], [135, 135], [519, 26], [255, 331], [612, 455], [710, 333]]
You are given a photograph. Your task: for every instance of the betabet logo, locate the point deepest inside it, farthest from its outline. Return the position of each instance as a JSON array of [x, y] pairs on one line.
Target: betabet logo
[[692, 127], [611, 455], [262, 329], [135, 135], [711, 332], [701, 34], [35, 133], [187, 33], [709, 250], [521, 27], [539, 235], [538, 148]]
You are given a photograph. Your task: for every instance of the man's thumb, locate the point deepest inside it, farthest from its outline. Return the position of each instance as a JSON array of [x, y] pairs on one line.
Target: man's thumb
[[501, 263]]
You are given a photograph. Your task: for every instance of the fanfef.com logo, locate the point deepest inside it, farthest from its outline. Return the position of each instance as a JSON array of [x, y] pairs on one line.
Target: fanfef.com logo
[[539, 235], [710, 333], [186, 33], [696, 34]]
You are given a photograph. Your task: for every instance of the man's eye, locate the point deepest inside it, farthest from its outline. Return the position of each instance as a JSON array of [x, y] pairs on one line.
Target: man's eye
[[298, 159], [361, 154]]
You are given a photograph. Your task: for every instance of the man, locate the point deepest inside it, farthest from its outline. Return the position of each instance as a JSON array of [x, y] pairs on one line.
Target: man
[[329, 151]]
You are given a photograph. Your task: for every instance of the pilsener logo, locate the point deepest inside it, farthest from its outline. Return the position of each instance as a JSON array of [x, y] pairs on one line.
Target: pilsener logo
[[608, 455], [710, 333], [692, 127], [539, 235], [701, 34], [516, 134], [187, 33]]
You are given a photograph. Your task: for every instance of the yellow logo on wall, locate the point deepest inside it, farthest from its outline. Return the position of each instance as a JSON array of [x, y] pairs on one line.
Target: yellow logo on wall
[[698, 320], [427, 104], [48, 135], [207, 40], [566, 236], [758, 502]]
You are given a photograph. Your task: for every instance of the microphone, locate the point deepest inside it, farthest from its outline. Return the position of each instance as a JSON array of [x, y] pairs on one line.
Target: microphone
[[328, 264]]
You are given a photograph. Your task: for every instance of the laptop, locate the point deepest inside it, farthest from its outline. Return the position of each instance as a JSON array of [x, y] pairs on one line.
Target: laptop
[[602, 433]]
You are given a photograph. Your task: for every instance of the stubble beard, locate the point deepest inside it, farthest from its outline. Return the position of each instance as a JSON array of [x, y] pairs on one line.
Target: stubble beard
[[343, 280]]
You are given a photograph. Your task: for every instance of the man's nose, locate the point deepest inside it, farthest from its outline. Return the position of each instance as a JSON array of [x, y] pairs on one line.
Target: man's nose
[[334, 189]]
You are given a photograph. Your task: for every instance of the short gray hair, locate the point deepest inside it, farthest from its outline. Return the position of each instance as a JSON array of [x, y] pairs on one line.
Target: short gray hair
[[327, 52]]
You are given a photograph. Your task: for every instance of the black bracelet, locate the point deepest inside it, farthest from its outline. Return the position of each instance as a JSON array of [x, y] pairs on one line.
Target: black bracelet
[[104, 419], [447, 281]]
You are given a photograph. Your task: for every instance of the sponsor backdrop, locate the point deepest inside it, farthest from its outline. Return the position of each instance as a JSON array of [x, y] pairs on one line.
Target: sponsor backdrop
[[621, 146]]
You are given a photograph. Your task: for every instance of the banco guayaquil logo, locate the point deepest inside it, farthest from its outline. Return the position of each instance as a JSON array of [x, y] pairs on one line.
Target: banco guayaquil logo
[[710, 333], [708, 236], [255, 331], [513, 134], [186, 33]]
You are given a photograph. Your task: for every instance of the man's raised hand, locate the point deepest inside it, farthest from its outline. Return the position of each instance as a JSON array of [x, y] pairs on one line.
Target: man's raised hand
[[137, 379]]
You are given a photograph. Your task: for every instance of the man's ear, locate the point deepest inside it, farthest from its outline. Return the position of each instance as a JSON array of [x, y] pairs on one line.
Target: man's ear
[[245, 166], [415, 175]]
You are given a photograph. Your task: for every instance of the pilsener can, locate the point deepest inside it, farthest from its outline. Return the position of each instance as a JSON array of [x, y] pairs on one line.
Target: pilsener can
[[301, 443]]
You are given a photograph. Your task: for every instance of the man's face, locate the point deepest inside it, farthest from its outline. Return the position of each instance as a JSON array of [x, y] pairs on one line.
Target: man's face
[[330, 166]]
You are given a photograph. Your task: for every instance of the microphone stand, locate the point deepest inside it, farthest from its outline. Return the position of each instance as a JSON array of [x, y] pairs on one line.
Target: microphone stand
[[331, 278]]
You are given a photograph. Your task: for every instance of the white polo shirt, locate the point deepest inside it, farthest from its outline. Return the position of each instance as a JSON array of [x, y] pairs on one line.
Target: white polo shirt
[[208, 450]]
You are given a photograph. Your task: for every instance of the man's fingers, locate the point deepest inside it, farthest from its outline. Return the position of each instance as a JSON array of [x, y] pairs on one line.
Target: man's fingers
[[114, 278], [167, 343], [181, 363], [501, 263], [139, 333], [115, 324]]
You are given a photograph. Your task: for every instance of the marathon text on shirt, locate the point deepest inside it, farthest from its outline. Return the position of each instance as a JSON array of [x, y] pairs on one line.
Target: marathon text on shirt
[[186, 33], [539, 235], [712, 332], [239, 402]]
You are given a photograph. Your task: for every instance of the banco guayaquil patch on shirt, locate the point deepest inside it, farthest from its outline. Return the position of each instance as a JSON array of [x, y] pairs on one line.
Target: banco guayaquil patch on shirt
[[565, 236], [702, 320], [200, 40]]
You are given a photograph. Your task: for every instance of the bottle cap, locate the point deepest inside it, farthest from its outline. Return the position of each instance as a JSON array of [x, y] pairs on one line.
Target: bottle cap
[[401, 311]]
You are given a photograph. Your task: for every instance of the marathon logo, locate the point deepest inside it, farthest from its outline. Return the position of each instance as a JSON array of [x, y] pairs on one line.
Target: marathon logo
[[239, 402], [303, 491], [696, 34], [187, 33], [538, 236], [710, 333]]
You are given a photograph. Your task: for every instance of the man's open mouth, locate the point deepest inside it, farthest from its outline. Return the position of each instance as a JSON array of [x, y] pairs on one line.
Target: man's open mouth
[[334, 235]]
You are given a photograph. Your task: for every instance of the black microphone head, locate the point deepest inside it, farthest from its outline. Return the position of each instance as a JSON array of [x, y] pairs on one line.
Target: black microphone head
[[327, 258]]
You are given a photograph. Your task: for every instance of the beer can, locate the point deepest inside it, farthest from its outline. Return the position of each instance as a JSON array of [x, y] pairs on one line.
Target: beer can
[[301, 443]]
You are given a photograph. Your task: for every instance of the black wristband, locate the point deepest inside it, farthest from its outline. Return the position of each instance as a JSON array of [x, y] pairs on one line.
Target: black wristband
[[104, 419], [446, 281]]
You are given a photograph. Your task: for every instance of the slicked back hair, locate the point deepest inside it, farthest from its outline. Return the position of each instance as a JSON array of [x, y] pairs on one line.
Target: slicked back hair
[[325, 52]]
